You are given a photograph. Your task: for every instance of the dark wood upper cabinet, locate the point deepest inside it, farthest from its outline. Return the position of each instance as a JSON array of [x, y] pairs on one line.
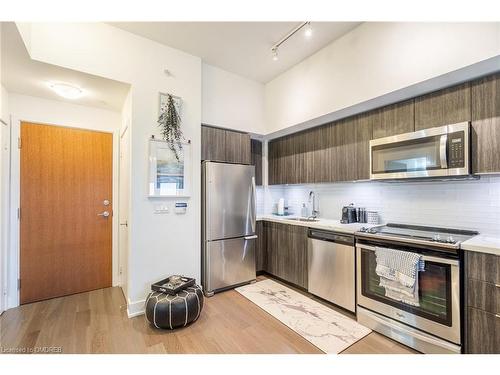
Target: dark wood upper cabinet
[[444, 107], [256, 153], [394, 119], [238, 147], [225, 145], [486, 125], [339, 151], [213, 144], [274, 158], [322, 143], [343, 151], [364, 127]]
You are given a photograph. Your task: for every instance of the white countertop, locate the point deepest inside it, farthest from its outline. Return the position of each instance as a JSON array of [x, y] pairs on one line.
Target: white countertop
[[483, 243], [326, 224]]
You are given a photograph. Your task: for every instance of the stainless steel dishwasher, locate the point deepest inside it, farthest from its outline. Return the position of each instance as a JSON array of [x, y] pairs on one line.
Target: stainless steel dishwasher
[[331, 267]]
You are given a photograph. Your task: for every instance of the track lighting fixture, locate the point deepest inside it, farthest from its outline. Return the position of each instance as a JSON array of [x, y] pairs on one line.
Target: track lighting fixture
[[307, 32]]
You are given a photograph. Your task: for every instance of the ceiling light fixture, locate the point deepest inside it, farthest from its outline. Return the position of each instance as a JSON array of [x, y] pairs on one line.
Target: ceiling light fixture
[[275, 54], [66, 90], [308, 33]]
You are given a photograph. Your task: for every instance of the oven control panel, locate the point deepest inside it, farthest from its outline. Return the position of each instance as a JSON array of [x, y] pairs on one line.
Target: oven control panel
[[456, 150]]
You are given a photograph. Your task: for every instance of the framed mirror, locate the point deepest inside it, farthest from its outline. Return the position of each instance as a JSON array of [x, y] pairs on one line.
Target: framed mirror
[[169, 177]]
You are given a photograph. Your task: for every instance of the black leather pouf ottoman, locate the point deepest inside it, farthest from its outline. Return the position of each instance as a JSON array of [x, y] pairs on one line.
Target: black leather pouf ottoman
[[172, 311]]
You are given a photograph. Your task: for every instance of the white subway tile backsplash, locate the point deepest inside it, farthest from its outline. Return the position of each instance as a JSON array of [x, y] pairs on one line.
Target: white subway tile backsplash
[[460, 204]]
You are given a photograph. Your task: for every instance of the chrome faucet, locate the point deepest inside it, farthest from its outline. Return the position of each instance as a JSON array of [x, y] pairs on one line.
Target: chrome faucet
[[314, 209]]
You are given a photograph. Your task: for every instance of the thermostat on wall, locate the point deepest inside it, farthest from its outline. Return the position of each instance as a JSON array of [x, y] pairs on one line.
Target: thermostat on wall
[[180, 207]]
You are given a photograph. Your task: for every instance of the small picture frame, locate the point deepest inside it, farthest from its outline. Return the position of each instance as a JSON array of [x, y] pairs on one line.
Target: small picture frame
[[163, 100], [169, 177]]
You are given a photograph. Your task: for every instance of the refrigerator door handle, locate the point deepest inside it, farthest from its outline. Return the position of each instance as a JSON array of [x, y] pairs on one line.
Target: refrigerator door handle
[[251, 237], [252, 206]]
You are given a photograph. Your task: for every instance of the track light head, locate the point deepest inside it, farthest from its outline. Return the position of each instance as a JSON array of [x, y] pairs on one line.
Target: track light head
[[275, 54], [308, 31]]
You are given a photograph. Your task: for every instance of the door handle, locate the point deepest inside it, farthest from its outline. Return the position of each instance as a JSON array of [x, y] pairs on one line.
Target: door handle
[[251, 237], [442, 151], [105, 214], [124, 224]]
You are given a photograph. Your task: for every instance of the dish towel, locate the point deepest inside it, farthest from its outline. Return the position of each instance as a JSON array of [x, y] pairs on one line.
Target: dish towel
[[398, 272]]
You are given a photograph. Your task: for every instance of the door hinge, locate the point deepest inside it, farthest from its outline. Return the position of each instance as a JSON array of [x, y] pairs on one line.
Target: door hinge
[[19, 213], [19, 142], [18, 284]]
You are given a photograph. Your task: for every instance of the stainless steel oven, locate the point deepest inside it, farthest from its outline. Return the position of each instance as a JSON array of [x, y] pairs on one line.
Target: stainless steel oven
[[437, 152], [432, 327]]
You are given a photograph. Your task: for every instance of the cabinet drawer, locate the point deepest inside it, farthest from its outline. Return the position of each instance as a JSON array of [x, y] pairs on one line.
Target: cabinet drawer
[[483, 296], [484, 267], [483, 336]]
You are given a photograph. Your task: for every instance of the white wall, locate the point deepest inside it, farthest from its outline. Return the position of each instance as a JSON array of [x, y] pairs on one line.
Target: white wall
[[458, 204], [160, 245], [231, 101], [4, 192], [124, 193], [373, 60], [38, 110]]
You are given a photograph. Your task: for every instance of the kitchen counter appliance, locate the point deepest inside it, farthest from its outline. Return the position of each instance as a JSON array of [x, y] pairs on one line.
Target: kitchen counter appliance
[[331, 267], [228, 225], [434, 326], [437, 152]]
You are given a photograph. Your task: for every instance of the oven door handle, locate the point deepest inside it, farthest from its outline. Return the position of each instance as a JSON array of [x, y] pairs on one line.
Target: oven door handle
[[426, 258], [443, 142]]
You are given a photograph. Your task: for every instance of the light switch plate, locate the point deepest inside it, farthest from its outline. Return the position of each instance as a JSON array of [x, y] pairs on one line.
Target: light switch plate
[[161, 209]]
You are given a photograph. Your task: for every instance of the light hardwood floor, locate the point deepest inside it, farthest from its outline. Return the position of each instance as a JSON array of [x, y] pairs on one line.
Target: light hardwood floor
[[96, 322]]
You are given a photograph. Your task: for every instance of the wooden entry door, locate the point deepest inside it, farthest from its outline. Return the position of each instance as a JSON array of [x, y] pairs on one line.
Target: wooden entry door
[[65, 241]]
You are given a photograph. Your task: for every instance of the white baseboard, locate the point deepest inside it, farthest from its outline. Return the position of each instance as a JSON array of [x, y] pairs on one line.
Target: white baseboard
[[135, 308]]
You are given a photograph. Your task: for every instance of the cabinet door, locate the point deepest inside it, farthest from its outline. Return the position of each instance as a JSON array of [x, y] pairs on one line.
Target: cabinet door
[[274, 158], [394, 119], [364, 125], [237, 147], [483, 267], [271, 235], [213, 144], [486, 125], [256, 151], [483, 336], [322, 138], [287, 252], [260, 247], [343, 151], [444, 107], [295, 260]]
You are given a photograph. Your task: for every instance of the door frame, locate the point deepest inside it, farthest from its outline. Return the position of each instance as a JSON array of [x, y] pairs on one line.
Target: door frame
[[14, 251]]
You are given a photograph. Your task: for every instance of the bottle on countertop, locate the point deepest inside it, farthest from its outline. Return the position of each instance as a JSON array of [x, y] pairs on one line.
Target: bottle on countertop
[[303, 211], [281, 207]]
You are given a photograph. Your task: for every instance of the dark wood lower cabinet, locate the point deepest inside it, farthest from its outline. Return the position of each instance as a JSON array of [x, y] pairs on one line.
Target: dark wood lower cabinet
[[482, 303], [286, 252], [260, 247], [483, 335]]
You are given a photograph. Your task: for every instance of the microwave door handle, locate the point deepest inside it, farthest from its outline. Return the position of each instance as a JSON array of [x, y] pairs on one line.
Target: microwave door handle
[[442, 151]]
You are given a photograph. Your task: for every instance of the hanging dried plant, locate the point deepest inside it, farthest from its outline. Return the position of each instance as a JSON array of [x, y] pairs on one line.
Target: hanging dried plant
[[170, 124]]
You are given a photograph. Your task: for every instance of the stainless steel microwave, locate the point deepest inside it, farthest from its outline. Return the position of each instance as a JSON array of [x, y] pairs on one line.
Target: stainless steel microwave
[[436, 152]]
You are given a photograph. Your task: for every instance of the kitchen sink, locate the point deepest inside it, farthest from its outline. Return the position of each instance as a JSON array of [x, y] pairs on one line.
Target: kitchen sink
[[303, 219]]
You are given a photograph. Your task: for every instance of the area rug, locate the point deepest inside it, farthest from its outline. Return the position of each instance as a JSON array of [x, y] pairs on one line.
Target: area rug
[[323, 327]]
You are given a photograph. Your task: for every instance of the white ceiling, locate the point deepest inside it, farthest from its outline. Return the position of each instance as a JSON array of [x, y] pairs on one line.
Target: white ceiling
[[22, 75], [241, 47]]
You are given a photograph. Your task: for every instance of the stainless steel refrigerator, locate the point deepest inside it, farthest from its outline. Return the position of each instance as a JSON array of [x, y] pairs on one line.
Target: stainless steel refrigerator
[[228, 225]]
